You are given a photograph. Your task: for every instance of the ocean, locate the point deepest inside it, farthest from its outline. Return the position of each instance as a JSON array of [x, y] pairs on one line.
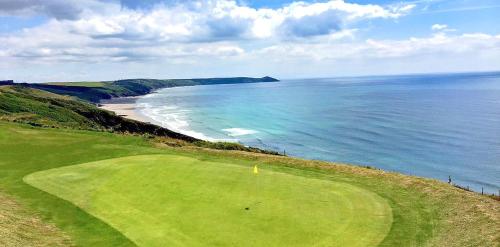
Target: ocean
[[436, 125]]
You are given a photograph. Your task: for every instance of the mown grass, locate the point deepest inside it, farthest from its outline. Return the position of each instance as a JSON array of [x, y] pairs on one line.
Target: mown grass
[[173, 200], [425, 212]]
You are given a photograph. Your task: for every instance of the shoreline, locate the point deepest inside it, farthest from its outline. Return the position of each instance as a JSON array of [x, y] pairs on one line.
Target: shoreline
[[125, 107]]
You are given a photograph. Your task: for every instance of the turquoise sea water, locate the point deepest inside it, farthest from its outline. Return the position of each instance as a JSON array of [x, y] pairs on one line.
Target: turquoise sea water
[[426, 125]]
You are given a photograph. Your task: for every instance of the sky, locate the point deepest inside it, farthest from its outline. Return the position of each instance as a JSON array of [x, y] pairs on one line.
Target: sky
[[88, 40]]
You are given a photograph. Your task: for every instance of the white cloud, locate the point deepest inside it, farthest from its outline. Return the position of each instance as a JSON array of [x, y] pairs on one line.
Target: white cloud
[[105, 30], [371, 48], [437, 27], [442, 28], [217, 19]]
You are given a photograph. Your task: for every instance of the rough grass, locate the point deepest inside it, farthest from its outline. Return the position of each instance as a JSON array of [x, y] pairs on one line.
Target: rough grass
[[18, 227], [425, 212], [39, 107]]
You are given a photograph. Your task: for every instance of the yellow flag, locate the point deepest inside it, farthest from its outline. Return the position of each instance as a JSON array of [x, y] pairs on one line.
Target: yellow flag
[[255, 170]]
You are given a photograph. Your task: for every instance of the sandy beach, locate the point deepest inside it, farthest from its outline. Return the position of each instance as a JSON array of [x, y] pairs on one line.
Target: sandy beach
[[127, 108], [124, 107]]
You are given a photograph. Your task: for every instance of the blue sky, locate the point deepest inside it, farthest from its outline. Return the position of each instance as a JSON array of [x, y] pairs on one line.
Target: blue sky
[[60, 40]]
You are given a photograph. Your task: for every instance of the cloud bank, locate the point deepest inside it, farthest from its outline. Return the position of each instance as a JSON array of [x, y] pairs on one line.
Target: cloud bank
[[106, 30], [218, 32]]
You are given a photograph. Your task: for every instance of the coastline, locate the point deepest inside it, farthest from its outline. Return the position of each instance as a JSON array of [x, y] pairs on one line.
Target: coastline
[[125, 107]]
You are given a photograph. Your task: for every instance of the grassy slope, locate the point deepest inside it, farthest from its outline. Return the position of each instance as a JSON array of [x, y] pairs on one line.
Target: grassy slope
[[179, 201], [425, 212], [41, 108], [80, 83]]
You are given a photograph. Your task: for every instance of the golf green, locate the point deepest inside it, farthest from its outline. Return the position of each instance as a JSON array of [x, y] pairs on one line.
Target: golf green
[[169, 200]]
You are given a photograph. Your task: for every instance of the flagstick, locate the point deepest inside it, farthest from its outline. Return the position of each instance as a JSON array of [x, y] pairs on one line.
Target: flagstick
[[256, 187]]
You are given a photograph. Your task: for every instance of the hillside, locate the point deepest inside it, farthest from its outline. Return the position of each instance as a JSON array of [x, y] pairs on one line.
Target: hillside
[[41, 108], [96, 91], [27, 105]]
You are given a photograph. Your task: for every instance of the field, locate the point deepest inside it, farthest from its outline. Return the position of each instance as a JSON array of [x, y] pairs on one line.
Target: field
[[79, 84], [103, 189]]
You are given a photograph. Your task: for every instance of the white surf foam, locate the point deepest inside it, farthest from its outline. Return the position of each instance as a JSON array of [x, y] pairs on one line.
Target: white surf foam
[[239, 132], [175, 119]]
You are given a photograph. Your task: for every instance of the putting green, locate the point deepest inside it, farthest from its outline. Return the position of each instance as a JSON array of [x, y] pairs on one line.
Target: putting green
[[168, 200]]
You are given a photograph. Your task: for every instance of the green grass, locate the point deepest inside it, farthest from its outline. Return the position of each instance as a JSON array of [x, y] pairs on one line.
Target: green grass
[[174, 200], [424, 212], [80, 84], [43, 108]]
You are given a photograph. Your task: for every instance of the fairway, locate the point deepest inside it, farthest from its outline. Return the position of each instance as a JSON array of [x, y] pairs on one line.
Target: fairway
[[171, 200]]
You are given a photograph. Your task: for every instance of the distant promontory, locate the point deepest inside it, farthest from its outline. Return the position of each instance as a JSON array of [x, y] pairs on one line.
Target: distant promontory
[[95, 91]]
